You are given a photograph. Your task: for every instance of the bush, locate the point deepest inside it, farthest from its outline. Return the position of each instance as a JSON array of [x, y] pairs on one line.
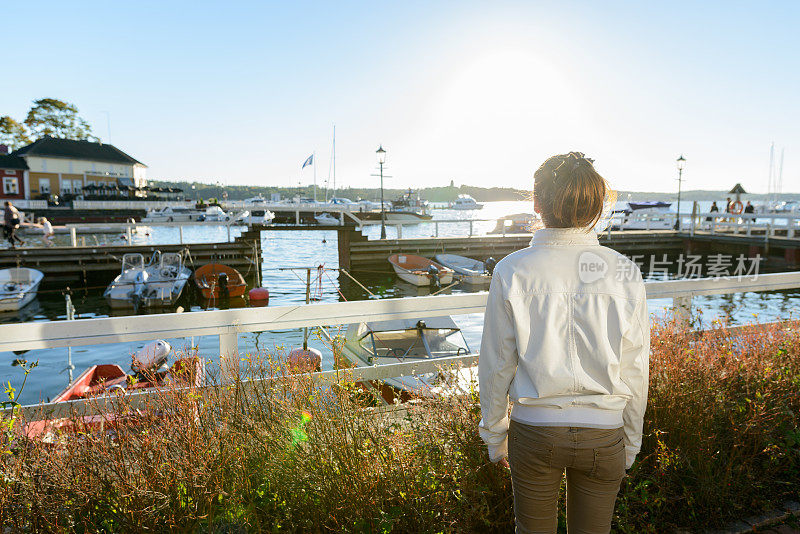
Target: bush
[[721, 442]]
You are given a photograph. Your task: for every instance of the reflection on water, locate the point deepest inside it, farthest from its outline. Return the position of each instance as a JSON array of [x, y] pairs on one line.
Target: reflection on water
[[311, 248]]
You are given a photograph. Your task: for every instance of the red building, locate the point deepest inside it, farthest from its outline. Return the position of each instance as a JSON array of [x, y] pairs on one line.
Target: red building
[[13, 171]]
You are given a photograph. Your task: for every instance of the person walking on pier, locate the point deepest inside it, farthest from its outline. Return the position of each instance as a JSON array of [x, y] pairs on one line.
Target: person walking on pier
[[567, 337], [10, 224], [47, 232]]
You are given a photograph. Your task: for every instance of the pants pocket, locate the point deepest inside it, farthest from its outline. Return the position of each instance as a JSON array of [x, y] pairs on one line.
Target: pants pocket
[[528, 448], [609, 462]]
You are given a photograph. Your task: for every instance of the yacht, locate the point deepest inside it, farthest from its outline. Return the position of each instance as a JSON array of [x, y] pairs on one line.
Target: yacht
[[465, 202], [257, 216], [174, 214]]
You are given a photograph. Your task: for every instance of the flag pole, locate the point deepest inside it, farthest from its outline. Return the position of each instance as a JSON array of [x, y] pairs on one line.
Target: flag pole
[[314, 163]]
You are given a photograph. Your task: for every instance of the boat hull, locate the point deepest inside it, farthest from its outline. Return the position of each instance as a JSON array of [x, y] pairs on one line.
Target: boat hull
[[18, 287], [413, 268]]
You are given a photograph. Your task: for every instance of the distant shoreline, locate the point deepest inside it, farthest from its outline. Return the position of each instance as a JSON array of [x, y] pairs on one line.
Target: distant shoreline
[[433, 194]]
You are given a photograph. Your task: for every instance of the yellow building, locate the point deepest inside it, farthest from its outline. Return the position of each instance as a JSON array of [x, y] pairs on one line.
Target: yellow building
[[65, 166]]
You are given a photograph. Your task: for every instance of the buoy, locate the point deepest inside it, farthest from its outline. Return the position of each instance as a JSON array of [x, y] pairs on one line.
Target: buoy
[[259, 296], [304, 360]]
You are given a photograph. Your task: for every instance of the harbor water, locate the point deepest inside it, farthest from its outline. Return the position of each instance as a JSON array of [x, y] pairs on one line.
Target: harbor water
[[302, 249]]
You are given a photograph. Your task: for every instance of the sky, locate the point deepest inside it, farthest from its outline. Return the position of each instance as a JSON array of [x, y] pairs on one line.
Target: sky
[[480, 93]]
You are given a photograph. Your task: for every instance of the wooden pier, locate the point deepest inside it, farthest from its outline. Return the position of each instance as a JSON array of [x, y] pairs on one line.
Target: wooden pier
[[358, 254], [87, 265]]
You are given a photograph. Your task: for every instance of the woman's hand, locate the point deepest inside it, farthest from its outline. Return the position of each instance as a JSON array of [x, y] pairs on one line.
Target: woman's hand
[[504, 463]]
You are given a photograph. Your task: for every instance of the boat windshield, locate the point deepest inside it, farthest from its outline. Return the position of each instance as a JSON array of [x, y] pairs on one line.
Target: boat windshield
[[415, 343], [132, 261], [170, 264]]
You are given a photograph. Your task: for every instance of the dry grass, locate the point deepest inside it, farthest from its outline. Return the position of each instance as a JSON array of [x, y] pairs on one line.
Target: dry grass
[[721, 442]]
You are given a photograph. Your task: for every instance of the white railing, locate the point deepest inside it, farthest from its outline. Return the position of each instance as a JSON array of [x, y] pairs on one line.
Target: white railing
[[30, 204], [128, 204], [228, 324]]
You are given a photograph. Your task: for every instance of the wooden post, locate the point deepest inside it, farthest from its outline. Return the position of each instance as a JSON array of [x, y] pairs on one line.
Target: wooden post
[[73, 236], [228, 355], [180, 233], [130, 235], [297, 216], [470, 228], [682, 307], [399, 231], [343, 238]]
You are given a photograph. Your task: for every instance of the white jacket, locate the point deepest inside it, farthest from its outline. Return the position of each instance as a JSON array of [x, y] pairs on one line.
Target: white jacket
[[567, 336]]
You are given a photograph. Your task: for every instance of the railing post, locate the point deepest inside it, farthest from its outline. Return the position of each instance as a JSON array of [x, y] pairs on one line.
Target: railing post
[[73, 236], [470, 228], [682, 307], [297, 216], [436, 226], [399, 231], [180, 233], [130, 235], [228, 356], [229, 233], [694, 221]]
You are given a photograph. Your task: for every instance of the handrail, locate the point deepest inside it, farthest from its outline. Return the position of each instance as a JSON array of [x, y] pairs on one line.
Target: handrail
[[97, 331], [228, 323]]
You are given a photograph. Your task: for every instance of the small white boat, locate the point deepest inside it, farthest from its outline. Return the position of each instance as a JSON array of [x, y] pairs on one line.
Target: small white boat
[[174, 214], [403, 340], [648, 215], [465, 202], [469, 271], [326, 219], [125, 291], [18, 286], [214, 214], [257, 216], [166, 278], [420, 271]]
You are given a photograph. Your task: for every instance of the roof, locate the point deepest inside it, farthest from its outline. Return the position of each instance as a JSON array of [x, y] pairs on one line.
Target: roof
[[737, 190], [69, 148], [445, 322], [12, 162]]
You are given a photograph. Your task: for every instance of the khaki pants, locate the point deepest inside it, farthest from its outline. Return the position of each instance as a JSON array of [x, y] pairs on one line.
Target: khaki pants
[[595, 463]]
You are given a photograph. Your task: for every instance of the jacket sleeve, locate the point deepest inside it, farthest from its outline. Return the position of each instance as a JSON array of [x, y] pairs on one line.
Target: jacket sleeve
[[497, 366], [634, 370]]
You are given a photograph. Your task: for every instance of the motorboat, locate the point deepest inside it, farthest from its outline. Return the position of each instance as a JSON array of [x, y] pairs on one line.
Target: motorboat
[[420, 271], [166, 278], [256, 216], [468, 270], [149, 371], [213, 277], [404, 340], [465, 202], [214, 214], [174, 214], [645, 215], [517, 223], [125, 291], [409, 207], [18, 287], [326, 219]]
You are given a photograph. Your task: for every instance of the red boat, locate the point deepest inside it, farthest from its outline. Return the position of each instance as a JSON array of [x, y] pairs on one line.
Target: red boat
[[212, 277], [103, 380]]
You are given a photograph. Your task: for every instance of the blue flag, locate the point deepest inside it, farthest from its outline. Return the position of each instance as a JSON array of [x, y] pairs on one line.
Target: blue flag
[[308, 162]]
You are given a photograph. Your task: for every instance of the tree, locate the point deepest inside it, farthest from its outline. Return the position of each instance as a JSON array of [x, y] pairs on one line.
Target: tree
[[12, 133], [50, 116]]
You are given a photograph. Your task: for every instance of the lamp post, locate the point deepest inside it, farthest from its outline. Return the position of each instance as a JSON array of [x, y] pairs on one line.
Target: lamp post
[[681, 164], [381, 160]]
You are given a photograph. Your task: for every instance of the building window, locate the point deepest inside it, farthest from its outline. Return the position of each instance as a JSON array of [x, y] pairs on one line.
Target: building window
[[10, 186], [44, 186]]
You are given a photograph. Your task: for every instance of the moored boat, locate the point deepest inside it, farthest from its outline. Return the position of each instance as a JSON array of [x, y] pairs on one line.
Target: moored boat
[[468, 270], [213, 277], [326, 219], [420, 271], [18, 287], [150, 371], [166, 278], [645, 215], [465, 202], [125, 291], [403, 340]]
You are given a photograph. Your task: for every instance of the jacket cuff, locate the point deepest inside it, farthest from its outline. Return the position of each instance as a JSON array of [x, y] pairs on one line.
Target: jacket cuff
[[498, 451], [630, 455]]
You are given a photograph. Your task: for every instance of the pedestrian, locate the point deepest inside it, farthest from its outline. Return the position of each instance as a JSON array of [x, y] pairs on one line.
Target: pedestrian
[[47, 232], [567, 337], [728, 205], [714, 209], [749, 208], [10, 224]]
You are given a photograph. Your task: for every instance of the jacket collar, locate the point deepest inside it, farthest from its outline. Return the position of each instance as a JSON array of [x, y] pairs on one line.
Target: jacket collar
[[564, 236]]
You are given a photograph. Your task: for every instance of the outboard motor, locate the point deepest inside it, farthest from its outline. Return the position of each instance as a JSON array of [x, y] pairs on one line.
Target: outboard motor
[[224, 293], [151, 357], [433, 275], [489, 264]]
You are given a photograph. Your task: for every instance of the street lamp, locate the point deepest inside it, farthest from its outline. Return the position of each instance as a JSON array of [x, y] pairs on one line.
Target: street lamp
[[381, 153], [681, 164]]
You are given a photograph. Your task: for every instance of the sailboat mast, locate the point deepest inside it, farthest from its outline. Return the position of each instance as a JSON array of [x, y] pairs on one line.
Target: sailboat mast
[[334, 160], [780, 174], [314, 162], [769, 176]]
